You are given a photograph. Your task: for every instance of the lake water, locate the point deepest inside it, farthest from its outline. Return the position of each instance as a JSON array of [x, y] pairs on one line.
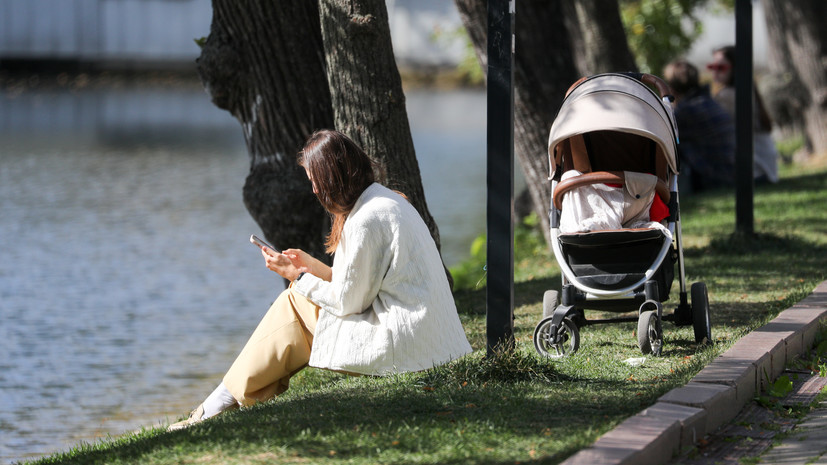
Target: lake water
[[127, 284]]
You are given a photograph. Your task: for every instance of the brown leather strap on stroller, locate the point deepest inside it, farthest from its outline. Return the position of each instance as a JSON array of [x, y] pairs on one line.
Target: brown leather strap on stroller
[[601, 177]]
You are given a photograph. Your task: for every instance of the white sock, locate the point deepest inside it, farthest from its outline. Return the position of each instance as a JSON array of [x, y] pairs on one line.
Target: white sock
[[218, 401]]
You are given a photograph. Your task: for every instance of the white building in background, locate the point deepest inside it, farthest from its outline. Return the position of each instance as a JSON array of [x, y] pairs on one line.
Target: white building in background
[[149, 33], [99, 31]]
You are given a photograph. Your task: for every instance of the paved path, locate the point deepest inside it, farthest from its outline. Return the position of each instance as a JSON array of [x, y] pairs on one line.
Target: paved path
[[807, 443], [765, 431], [684, 418]]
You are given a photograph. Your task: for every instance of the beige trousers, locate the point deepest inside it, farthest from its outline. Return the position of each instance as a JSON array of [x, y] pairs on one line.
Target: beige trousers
[[278, 349]]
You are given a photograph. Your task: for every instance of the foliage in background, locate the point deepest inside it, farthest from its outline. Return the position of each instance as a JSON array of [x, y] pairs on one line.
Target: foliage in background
[[529, 245], [470, 273], [660, 31], [789, 146], [469, 66]]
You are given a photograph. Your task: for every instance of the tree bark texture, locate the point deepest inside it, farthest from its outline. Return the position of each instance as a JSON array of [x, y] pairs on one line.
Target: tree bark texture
[[799, 42], [263, 63], [544, 69], [782, 91], [603, 36], [367, 96]]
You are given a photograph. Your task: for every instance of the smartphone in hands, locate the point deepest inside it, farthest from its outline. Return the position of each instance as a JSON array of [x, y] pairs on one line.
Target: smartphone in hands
[[261, 243]]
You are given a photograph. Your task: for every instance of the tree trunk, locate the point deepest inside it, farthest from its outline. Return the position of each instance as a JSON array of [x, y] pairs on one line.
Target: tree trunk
[[579, 47], [366, 91], [796, 29], [263, 63], [544, 69], [782, 91], [603, 36]]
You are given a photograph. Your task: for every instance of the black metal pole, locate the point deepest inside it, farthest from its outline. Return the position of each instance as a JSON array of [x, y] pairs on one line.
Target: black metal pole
[[744, 219], [500, 176]]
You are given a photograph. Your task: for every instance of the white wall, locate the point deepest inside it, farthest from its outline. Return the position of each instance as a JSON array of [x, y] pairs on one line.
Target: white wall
[[103, 29], [153, 29], [48, 28], [719, 30], [159, 30]]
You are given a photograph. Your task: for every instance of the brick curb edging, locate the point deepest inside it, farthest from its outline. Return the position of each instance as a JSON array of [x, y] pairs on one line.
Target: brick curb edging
[[715, 395]]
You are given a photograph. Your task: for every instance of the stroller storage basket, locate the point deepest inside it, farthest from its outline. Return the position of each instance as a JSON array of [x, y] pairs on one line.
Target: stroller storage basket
[[611, 259]]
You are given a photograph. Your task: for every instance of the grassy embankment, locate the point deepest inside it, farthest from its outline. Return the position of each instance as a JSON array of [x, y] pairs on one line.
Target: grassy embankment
[[521, 408]]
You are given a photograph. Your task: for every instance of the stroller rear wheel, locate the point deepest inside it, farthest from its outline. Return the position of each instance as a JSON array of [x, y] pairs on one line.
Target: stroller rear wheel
[[649, 339], [700, 313], [565, 340]]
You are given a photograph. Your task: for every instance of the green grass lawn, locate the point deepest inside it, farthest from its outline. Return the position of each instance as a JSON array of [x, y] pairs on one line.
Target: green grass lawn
[[518, 407]]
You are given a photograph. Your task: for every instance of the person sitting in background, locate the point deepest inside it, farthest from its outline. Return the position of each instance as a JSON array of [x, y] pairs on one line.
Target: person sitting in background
[[706, 132], [384, 307], [765, 155]]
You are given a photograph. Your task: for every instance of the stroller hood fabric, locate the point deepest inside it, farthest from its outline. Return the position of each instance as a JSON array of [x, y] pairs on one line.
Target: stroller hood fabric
[[615, 102]]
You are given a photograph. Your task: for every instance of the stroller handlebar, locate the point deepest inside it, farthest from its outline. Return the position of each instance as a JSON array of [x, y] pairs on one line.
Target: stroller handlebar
[[663, 88], [600, 177]]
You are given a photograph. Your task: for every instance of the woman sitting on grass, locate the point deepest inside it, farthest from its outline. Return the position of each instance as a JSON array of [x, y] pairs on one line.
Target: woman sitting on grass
[[384, 307]]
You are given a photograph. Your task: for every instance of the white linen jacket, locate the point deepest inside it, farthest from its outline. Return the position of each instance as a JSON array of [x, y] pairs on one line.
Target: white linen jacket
[[388, 308]]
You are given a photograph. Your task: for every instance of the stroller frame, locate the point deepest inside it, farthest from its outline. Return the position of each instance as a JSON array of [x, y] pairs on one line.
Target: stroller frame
[[648, 286]]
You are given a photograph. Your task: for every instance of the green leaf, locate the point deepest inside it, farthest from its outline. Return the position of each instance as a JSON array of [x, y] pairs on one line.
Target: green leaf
[[821, 350], [478, 247], [781, 387]]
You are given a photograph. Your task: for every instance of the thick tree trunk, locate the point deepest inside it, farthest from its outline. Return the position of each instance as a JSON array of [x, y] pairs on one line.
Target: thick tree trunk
[[782, 91], [544, 69], [799, 42], [603, 36], [366, 91], [262, 62]]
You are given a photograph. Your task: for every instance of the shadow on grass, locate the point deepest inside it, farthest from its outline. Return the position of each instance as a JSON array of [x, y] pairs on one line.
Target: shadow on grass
[[406, 424], [803, 183], [461, 412], [754, 263]]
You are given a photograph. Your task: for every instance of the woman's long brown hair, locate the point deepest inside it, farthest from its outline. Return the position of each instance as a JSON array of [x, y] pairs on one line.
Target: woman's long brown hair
[[340, 171]]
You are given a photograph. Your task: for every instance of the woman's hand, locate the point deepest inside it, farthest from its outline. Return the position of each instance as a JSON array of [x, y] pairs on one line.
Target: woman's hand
[[304, 262], [281, 264]]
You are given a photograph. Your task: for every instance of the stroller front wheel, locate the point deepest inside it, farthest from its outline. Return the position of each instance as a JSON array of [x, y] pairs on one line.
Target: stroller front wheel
[[556, 344]]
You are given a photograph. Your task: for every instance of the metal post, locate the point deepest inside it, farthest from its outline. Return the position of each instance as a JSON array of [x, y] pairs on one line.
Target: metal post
[[500, 176], [743, 118]]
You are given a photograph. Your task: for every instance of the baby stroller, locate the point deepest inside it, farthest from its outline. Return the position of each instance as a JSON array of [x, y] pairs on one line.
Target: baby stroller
[[613, 166]]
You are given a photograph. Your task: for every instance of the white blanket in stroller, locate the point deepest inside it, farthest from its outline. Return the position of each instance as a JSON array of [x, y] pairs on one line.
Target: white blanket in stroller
[[598, 207]]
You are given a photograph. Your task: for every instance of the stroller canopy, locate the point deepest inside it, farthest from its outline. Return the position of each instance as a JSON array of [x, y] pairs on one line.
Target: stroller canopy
[[614, 102]]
